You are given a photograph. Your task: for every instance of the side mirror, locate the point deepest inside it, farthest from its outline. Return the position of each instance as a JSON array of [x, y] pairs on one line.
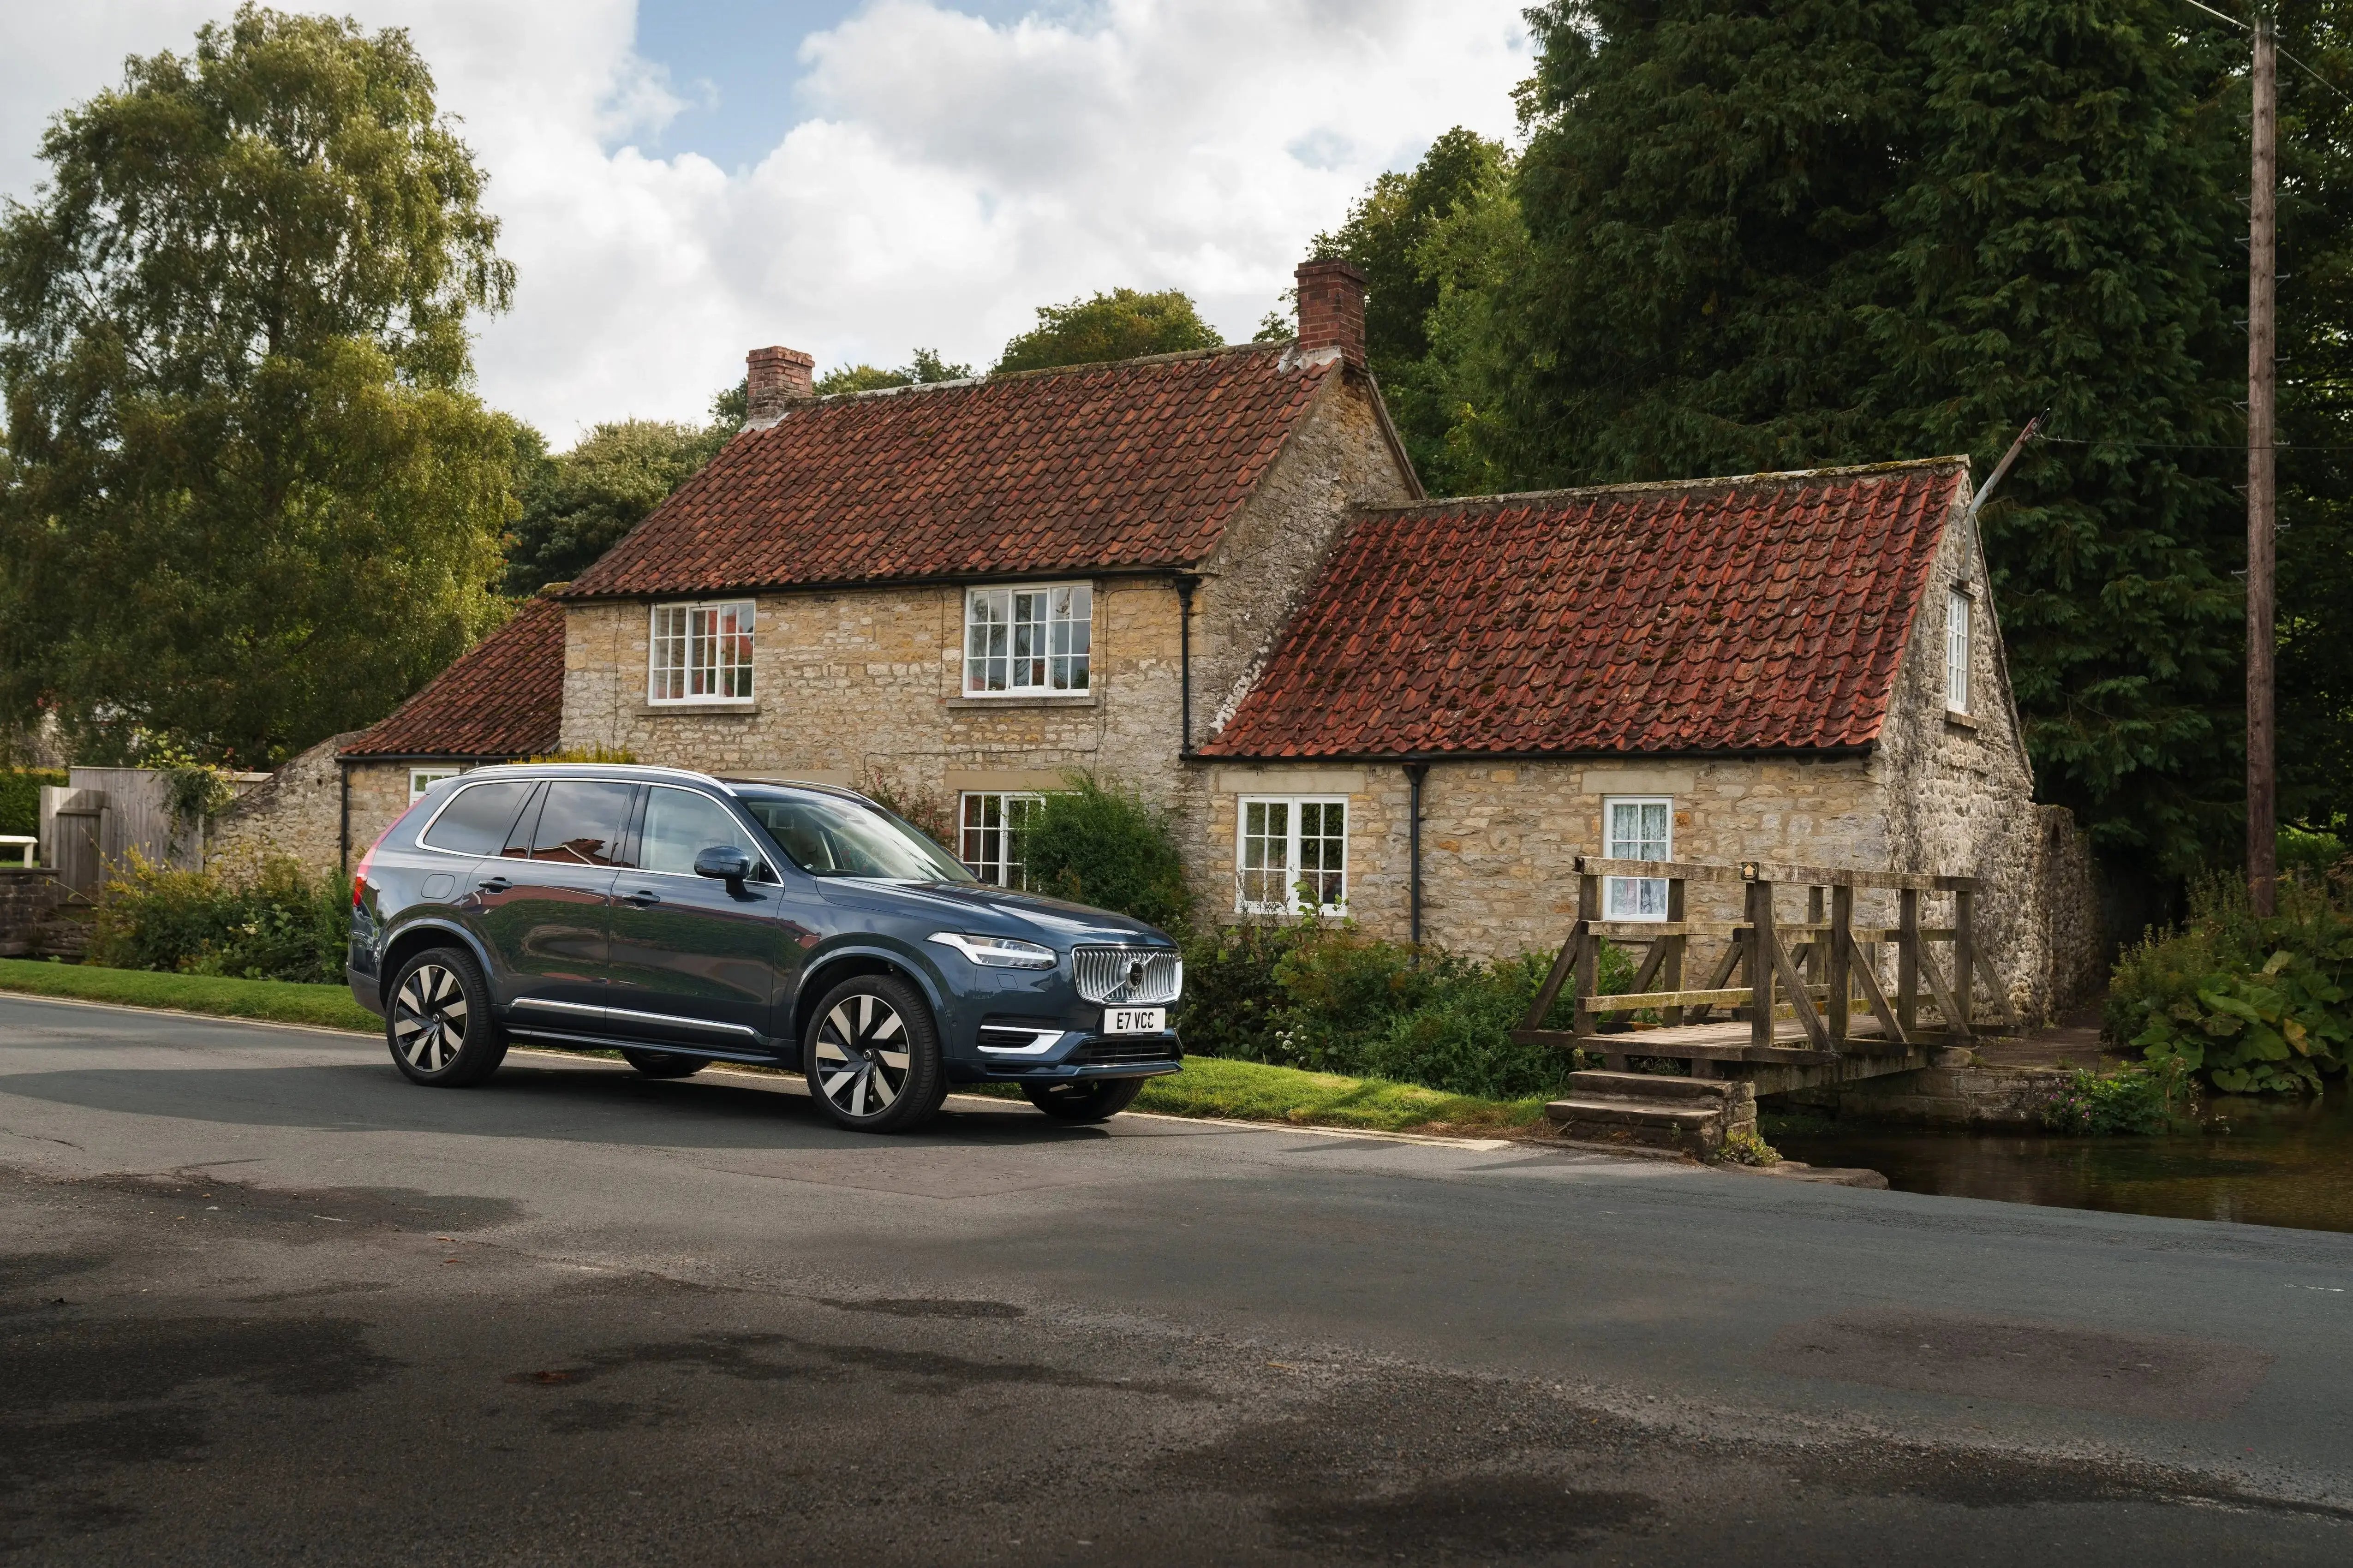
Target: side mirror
[[724, 861]]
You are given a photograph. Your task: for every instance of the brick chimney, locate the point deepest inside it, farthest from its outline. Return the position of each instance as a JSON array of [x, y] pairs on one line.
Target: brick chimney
[[775, 377], [1332, 308]]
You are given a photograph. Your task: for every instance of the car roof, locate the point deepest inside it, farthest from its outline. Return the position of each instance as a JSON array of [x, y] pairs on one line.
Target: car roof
[[651, 773]]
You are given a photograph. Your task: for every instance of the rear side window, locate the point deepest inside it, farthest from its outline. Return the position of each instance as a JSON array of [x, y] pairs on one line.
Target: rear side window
[[582, 822], [476, 822]]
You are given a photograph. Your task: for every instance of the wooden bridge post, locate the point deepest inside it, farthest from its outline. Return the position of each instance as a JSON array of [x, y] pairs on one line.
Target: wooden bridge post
[[1907, 962], [1841, 946], [1814, 942], [1760, 963], [1671, 970], [1588, 952], [1965, 962]]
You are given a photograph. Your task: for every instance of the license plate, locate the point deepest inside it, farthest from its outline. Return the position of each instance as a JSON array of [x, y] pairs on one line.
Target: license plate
[[1135, 1021]]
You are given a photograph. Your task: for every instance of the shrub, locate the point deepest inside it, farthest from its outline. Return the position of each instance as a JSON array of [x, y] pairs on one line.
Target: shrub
[[20, 796], [1747, 1147], [267, 920], [1331, 999], [1104, 844], [926, 813], [2130, 1099], [2252, 1005]]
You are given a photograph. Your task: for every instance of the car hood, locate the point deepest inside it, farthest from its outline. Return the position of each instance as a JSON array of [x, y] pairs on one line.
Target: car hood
[[980, 910]]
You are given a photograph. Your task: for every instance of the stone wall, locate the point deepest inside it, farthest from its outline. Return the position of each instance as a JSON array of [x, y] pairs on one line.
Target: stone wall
[[27, 898], [1957, 1093], [379, 797], [854, 682], [296, 812]]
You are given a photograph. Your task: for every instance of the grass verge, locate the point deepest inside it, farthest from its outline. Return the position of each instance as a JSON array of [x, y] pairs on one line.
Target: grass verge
[[274, 1001], [1210, 1086]]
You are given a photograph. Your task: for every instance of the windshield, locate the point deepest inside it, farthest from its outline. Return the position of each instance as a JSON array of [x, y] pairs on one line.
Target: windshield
[[826, 835]]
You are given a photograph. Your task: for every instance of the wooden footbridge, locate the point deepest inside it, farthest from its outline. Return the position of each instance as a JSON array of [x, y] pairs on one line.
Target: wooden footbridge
[[1805, 1003]]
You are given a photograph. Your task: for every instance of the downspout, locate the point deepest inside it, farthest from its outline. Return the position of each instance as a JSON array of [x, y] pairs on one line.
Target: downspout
[[344, 829], [1186, 584], [1414, 774]]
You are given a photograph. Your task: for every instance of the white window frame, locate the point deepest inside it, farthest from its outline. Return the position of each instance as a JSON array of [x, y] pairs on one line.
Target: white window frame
[[1290, 904], [1035, 641], [1008, 872], [695, 632], [1959, 605], [1635, 897], [422, 779]]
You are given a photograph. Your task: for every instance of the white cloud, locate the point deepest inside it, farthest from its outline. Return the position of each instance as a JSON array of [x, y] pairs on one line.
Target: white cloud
[[951, 174]]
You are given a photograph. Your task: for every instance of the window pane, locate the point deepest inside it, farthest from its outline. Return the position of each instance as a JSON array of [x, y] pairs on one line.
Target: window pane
[[1266, 854], [1957, 652], [476, 823], [581, 823], [680, 824], [1323, 854]]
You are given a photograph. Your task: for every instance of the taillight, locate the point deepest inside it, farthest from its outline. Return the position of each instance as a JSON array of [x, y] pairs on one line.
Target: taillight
[[359, 877]]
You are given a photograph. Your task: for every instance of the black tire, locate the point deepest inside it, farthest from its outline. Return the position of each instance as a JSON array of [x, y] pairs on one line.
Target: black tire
[[1094, 1100], [663, 1064], [437, 1023], [872, 1055]]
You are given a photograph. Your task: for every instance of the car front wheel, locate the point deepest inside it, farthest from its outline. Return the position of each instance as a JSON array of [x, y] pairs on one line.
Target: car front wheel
[[872, 1055], [437, 1021]]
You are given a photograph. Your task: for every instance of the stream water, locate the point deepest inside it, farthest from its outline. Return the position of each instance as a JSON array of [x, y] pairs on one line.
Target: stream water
[[2258, 1162]]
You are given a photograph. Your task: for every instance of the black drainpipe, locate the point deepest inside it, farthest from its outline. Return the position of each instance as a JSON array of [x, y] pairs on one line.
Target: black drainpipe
[[1185, 587], [344, 831], [1414, 774]]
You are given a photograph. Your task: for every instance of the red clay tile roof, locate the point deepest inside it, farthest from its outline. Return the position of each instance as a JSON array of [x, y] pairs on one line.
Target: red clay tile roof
[[1769, 612], [1133, 464], [504, 698]]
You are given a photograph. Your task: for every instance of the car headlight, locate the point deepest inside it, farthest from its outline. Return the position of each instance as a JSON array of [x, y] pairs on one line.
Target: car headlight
[[999, 952]]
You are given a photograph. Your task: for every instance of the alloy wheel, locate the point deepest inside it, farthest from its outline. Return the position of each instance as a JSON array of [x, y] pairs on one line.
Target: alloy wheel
[[428, 1021], [861, 1056]]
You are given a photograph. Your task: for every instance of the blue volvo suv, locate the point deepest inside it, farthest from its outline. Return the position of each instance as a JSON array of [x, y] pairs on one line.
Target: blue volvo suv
[[685, 920]]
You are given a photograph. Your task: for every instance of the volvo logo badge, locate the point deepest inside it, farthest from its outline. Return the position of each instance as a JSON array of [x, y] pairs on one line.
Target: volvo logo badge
[[1136, 976]]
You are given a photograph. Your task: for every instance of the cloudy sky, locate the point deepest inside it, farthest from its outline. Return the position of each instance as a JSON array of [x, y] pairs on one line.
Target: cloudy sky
[[681, 181]]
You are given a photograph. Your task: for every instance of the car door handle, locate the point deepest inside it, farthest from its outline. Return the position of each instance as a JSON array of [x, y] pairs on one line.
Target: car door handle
[[644, 898], [496, 885]]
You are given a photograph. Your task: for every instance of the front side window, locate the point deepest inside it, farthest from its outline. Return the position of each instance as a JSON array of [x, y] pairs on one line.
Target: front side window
[[702, 653], [1641, 828], [422, 779], [1291, 855], [680, 824], [991, 835], [1956, 651], [1027, 641]]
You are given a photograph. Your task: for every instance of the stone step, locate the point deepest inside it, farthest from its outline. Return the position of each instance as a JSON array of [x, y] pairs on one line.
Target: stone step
[[1684, 1116], [1594, 1084]]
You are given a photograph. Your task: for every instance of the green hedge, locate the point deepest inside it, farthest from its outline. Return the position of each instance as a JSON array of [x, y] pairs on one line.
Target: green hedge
[[20, 796], [2252, 1005], [268, 920]]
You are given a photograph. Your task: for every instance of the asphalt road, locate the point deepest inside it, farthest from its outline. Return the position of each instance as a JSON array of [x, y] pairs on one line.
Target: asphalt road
[[262, 1301]]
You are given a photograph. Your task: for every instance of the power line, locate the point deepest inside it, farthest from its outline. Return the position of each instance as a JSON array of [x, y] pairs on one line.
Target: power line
[[2226, 16]]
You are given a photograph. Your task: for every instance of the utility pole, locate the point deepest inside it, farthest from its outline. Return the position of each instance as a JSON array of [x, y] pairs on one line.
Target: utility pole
[[2262, 501]]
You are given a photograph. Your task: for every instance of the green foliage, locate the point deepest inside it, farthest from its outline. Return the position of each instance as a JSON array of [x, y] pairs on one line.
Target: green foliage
[[2133, 1100], [926, 368], [1121, 324], [577, 504], [2252, 1006], [20, 796], [1104, 844], [2316, 854], [1327, 998], [250, 499], [267, 920], [927, 813], [1747, 1147]]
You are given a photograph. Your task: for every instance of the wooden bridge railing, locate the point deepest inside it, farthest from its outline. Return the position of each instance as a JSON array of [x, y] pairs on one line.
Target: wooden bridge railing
[[1818, 980]]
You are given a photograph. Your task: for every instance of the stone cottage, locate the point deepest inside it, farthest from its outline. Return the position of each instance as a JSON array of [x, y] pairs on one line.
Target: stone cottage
[[1213, 576]]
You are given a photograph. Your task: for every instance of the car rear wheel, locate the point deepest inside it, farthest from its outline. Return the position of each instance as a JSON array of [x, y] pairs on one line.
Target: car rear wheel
[[1096, 1099], [663, 1064], [872, 1055], [437, 1021]]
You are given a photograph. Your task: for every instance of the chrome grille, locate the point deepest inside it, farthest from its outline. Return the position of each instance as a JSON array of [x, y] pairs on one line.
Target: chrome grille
[[1129, 976]]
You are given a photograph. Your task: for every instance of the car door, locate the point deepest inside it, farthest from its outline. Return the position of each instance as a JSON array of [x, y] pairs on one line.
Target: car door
[[697, 961], [546, 903]]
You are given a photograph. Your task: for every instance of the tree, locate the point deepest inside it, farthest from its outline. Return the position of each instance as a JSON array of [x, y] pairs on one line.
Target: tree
[[576, 505], [1121, 324], [250, 500], [1776, 235], [926, 368]]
